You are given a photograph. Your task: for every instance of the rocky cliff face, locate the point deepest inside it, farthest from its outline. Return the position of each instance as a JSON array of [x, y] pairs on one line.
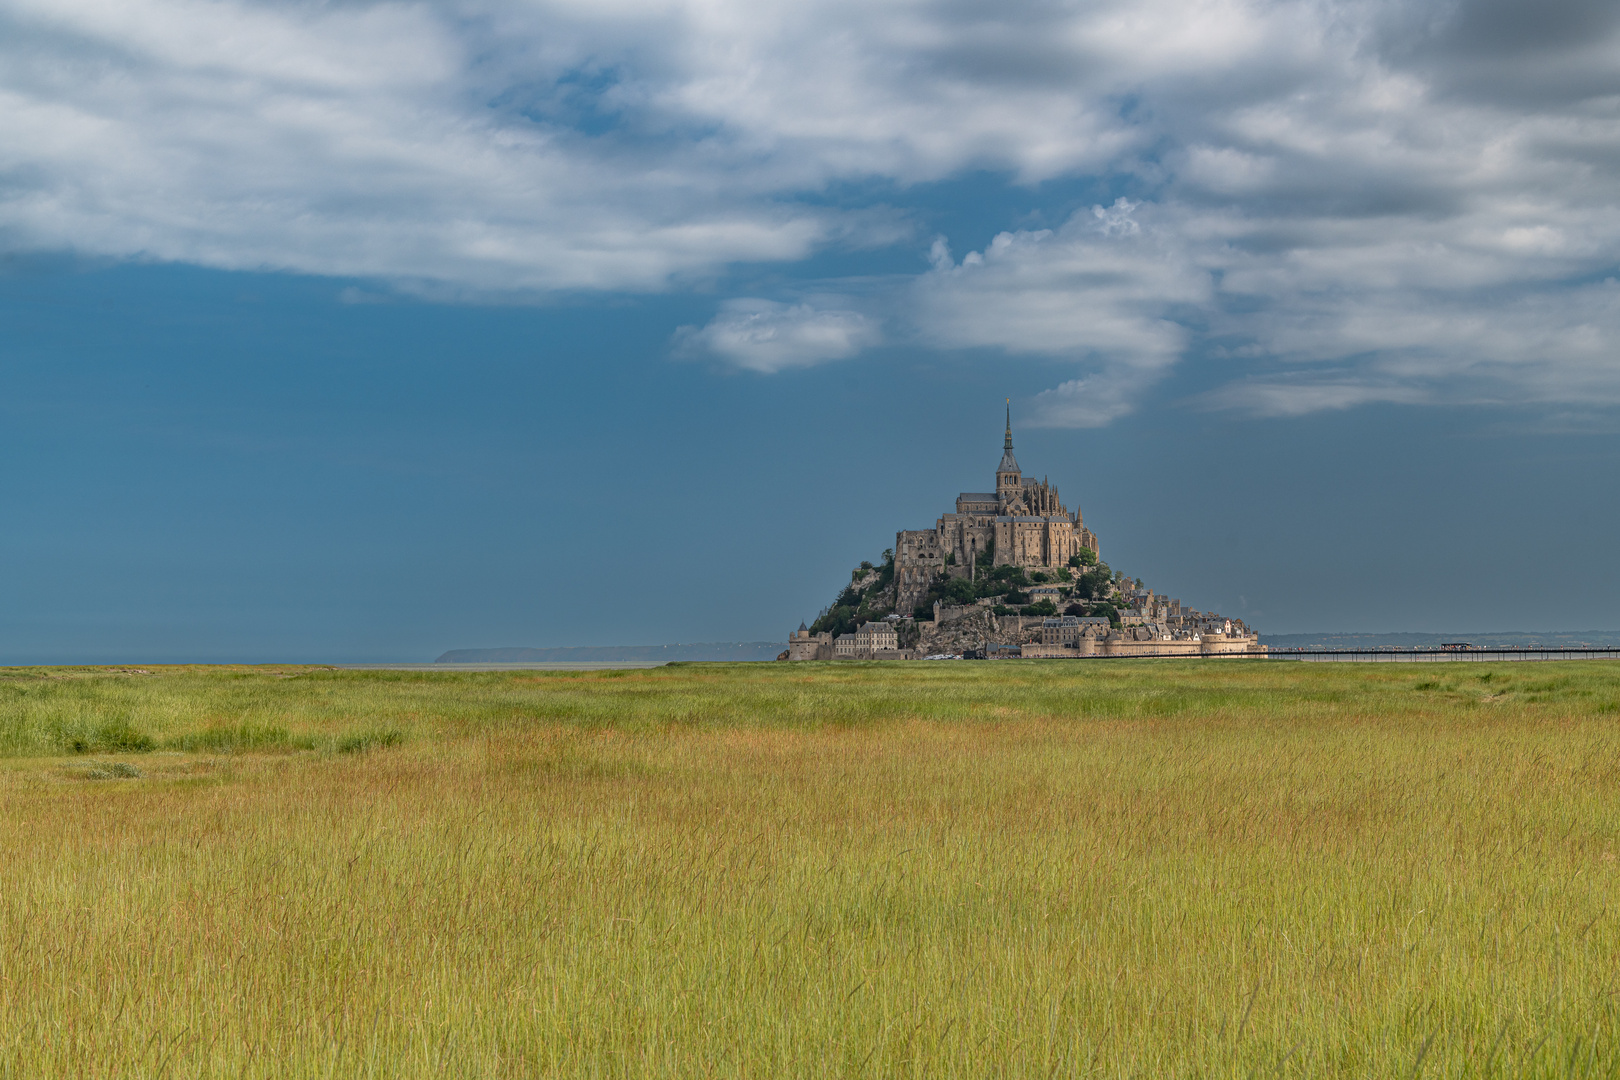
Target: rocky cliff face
[[974, 628]]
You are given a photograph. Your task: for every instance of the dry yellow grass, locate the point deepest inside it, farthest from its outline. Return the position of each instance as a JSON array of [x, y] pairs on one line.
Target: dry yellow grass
[[1067, 869]]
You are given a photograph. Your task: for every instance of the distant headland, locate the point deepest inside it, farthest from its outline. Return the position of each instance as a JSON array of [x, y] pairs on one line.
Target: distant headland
[[711, 650]]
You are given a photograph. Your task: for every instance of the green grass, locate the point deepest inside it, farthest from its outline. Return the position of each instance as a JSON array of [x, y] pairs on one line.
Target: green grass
[[1133, 868]]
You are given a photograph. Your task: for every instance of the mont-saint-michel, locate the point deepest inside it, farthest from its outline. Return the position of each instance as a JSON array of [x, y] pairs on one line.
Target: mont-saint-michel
[[1009, 572]]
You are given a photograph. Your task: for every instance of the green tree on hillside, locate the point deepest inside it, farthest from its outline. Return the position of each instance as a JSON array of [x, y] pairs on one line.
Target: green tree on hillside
[[857, 604], [1095, 584]]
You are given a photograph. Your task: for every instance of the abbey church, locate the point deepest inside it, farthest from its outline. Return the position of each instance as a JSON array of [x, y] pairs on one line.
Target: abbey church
[[1021, 523]]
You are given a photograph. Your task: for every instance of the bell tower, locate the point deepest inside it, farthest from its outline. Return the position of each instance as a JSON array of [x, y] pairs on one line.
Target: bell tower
[[1009, 485]]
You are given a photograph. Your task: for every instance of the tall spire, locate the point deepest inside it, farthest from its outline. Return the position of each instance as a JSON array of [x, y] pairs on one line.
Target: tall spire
[[1009, 464]]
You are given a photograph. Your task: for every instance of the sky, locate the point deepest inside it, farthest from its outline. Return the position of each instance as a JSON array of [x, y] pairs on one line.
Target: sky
[[359, 331]]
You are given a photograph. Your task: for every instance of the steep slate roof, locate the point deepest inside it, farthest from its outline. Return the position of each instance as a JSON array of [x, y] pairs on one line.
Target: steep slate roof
[[1008, 462]]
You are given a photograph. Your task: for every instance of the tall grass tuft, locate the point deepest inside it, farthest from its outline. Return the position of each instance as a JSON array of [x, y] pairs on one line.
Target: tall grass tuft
[[374, 739], [112, 770], [112, 737]]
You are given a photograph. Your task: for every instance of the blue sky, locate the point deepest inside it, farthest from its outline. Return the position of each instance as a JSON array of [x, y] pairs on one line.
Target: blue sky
[[360, 331]]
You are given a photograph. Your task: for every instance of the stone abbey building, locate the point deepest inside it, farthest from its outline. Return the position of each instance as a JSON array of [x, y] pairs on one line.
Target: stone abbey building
[[1022, 523]]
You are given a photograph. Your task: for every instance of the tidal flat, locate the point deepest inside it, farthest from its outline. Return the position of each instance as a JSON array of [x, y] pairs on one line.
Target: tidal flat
[[1059, 868]]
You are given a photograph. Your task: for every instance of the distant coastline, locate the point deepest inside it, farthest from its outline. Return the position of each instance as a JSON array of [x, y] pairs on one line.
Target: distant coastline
[[1515, 639], [710, 650]]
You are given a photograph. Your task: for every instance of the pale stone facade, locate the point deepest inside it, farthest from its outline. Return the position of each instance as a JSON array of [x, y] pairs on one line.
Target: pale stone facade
[[1067, 629], [1022, 523], [803, 645], [1075, 637], [872, 641], [877, 637]]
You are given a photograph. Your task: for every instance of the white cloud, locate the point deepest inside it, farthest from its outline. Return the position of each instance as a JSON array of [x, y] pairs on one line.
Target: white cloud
[[1098, 291], [762, 335], [1301, 396], [1446, 346], [1345, 199], [554, 144], [344, 141]]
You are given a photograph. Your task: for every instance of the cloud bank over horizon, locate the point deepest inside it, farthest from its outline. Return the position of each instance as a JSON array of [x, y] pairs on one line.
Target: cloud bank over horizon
[[1329, 203]]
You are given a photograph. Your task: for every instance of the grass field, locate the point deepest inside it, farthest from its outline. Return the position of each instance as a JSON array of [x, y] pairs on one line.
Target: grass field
[[932, 870]]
